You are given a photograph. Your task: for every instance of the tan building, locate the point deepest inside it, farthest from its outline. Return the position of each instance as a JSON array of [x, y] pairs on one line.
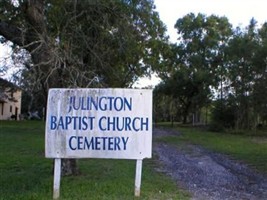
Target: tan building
[[10, 100]]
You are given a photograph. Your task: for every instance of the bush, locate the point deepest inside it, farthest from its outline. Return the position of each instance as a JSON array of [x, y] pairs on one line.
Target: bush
[[223, 115], [216, 127]]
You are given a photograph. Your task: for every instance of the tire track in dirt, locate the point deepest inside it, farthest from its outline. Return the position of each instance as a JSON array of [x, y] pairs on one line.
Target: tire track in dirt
[[208, 175]]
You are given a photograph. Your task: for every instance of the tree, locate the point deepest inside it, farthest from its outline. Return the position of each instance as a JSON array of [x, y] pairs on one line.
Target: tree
[[224, 113], [83, 43], [242, 72], [186, 89], [96, 43], [165, 106], [202, 42], [259, 95], [196, 60], [245, 79]]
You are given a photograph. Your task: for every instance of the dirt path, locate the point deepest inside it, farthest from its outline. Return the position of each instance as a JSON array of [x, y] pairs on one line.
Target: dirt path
[[208, 175]]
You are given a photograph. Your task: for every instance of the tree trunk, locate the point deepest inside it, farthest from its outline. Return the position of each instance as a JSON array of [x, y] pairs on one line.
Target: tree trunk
[[69, 167], [184, 118], [185, 112]]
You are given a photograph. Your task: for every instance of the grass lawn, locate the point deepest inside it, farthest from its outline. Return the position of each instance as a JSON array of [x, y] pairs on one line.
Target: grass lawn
[[26, 174], [248, 147]]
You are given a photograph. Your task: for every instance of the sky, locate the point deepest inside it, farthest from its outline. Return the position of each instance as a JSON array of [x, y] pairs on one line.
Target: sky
[[238, 12]]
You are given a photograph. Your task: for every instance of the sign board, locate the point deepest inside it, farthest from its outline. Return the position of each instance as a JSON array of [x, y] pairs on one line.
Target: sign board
[[99, 123]]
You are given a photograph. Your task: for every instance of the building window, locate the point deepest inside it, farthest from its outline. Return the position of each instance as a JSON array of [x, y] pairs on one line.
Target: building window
[[2, 109], [11, 109]]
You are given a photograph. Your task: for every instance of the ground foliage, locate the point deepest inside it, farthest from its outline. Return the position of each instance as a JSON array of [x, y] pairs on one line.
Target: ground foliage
[[26, 173]]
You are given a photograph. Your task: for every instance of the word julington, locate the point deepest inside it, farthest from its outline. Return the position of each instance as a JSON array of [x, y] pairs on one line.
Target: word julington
[[102, 103]]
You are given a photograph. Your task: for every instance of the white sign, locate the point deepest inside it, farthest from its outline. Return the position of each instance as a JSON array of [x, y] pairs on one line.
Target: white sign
[[99, 123]]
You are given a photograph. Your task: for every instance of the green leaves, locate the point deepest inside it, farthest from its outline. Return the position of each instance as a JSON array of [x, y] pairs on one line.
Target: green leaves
[[113, 42], [196, 60]]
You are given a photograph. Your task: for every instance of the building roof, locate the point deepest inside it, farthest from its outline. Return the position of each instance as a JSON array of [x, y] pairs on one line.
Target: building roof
[[6, 86]]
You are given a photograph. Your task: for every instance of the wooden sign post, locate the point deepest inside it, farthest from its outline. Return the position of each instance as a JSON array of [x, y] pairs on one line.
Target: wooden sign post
[[98, 123], [57, 176], [138, 175]]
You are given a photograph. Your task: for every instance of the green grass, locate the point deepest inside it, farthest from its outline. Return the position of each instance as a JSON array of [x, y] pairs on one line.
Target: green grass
[[250, 148], [26, 174]]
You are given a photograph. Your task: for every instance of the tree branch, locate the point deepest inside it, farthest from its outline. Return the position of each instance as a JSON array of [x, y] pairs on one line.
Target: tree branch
[[11, 33]]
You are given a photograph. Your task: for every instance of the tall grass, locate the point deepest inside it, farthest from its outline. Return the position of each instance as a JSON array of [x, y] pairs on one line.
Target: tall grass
[[26, 174]]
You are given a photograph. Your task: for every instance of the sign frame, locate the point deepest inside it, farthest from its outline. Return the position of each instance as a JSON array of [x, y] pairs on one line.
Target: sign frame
[[98, 123]]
